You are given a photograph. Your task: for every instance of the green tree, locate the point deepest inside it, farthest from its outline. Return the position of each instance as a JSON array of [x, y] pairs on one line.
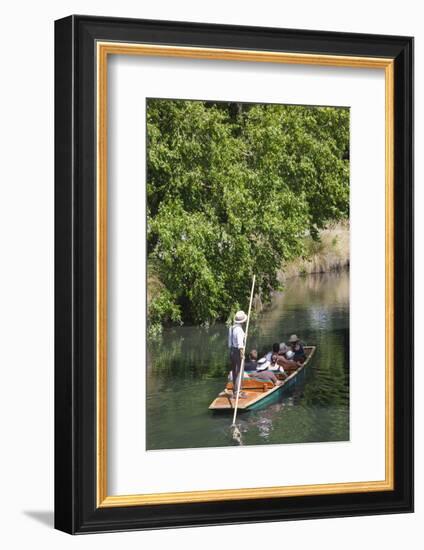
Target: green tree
[[232, 190]]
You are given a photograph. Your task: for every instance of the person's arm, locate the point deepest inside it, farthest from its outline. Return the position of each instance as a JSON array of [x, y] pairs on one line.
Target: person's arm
[[239, 334], [281, 360]]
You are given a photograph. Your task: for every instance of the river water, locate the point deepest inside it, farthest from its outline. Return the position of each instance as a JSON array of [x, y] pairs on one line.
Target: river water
[[187, 368]]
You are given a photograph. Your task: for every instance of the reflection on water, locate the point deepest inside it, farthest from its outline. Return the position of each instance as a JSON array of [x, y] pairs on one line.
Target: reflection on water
[[187, 367]]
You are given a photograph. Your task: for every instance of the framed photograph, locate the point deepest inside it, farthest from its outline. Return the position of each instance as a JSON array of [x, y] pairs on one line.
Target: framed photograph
[[234, 274]]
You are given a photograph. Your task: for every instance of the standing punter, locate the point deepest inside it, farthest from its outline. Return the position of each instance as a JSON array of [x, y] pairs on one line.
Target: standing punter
[[236, 344]]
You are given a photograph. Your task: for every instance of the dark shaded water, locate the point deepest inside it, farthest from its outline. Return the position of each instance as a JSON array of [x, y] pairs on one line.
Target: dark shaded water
[[188, 366]]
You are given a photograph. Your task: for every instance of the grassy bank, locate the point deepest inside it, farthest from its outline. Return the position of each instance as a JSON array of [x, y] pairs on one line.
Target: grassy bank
[[330, 253]]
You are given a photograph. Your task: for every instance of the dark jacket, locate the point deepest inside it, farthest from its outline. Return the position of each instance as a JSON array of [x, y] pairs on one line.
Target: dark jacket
[[250, 365]]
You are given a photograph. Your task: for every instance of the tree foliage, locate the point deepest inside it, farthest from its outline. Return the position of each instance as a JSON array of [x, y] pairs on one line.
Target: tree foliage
[[231, 190]]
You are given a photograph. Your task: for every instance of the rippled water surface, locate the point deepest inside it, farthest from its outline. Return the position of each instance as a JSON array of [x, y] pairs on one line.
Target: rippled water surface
[[187, 368]]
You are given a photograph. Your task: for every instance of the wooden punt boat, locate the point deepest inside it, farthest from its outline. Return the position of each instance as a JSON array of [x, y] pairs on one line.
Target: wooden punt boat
[[260, 393]]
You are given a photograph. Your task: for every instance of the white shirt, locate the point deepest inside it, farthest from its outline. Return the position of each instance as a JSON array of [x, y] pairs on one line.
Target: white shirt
[[236, 337]]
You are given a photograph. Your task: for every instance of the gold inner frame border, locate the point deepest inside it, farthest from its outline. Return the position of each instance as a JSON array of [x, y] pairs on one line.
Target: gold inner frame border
[[103, 50]]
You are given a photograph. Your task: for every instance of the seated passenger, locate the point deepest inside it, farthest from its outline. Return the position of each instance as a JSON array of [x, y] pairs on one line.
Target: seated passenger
[[286, 362], [296, 347], [275, 365], [275, 349], [252, 361]]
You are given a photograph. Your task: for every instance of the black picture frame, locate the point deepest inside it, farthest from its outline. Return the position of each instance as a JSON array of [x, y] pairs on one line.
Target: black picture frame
[[76, 510]]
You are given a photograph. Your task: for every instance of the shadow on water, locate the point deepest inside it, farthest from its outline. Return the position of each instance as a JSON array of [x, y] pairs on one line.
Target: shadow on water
[[188, 366]]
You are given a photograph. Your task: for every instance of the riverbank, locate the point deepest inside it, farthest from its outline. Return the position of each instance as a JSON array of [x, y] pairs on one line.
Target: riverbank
[[330, 253]]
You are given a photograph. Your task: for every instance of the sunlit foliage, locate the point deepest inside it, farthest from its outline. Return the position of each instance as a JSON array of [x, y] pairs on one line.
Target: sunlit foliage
[[232, 190]]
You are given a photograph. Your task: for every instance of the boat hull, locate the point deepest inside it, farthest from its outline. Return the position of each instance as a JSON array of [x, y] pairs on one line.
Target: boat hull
[[274, 397]]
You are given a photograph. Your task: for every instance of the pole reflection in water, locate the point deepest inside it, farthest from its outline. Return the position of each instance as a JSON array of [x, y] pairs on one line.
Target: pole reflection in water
[[187, 368]]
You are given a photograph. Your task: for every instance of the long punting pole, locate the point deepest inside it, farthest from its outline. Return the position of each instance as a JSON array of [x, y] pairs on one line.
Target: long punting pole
[[244, 355]]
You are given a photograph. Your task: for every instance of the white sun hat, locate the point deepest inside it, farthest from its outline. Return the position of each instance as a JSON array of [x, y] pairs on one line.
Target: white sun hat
[[262, 364], [240, 317]]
